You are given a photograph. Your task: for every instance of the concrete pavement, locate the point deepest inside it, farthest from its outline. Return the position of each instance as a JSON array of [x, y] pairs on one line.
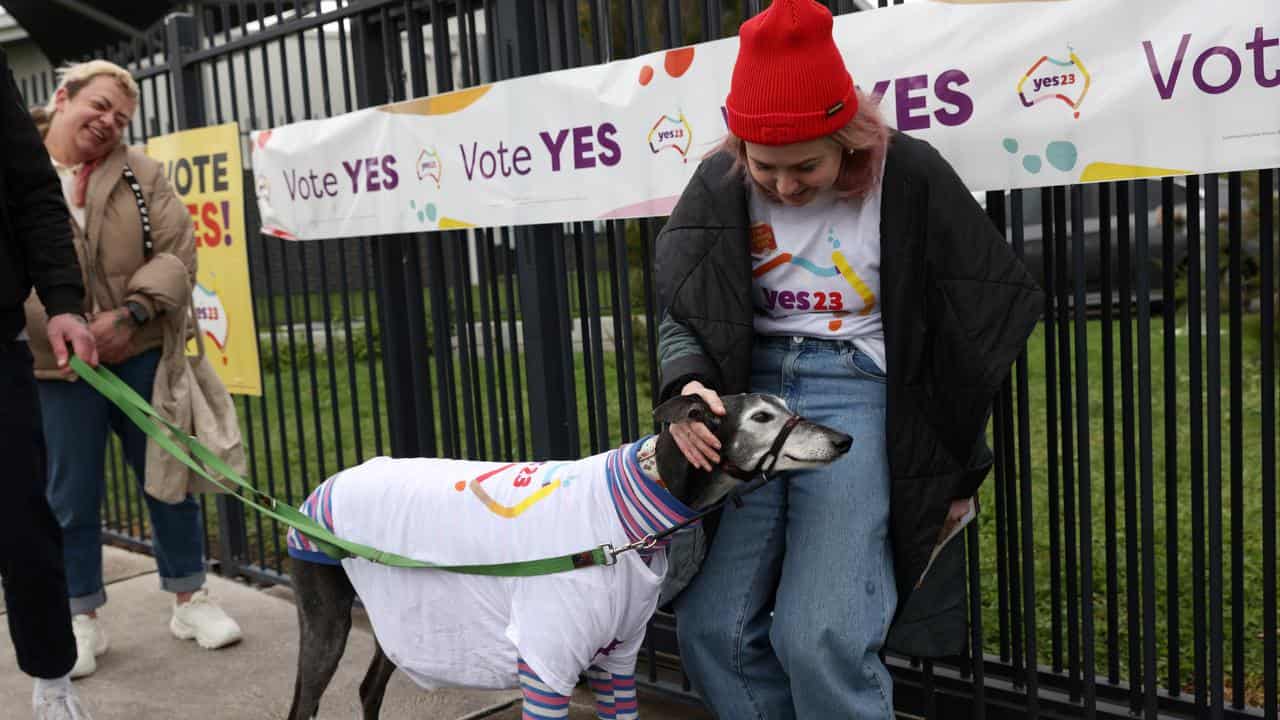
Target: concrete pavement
[[149, 674]]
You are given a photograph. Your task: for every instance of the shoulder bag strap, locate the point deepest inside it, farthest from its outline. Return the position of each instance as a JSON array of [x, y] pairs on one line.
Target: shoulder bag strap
[[148, 246]]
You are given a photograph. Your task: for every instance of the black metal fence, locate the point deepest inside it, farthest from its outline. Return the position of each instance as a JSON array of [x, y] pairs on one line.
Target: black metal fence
[[1125, 559]]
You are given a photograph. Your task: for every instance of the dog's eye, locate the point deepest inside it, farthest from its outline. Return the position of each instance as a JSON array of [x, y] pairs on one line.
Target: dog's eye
[[762, 417]]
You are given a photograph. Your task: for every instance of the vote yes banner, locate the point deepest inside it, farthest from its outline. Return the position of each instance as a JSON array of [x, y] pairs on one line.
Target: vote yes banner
[[1013, 94], [204, 166]]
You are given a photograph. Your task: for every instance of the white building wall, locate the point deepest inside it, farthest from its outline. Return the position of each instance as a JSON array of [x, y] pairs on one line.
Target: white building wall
[[261, 84]]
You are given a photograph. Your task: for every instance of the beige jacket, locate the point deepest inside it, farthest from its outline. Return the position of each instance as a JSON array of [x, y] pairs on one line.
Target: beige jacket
[[109, 248], [186, 392]]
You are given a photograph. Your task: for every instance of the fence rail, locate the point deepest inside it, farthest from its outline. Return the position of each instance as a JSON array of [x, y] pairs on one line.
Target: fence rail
[[1125, 559]]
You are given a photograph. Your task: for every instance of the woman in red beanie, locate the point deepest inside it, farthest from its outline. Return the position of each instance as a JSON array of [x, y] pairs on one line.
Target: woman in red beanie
[[822, 257]]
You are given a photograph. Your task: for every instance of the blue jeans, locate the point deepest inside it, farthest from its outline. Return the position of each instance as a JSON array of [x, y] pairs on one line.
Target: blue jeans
[[789, 611], [76, 422]]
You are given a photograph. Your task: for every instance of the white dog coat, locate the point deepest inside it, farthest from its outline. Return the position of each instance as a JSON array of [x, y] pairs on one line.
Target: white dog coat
[[444, 628]]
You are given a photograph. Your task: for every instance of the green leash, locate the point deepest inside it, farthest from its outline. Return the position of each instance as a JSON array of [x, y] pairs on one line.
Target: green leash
[[176, 441]]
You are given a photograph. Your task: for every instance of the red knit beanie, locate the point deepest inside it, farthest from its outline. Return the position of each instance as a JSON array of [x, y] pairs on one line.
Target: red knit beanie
[[789, 83]]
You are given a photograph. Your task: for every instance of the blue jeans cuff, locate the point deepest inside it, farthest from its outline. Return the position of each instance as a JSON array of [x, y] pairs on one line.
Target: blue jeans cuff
[[86, 604], [184, 584]]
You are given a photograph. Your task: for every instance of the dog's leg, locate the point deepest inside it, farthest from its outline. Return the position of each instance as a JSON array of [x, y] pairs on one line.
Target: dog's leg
[[324, 598], [540, 701], [625, 705], [601, 682], [374, 685]]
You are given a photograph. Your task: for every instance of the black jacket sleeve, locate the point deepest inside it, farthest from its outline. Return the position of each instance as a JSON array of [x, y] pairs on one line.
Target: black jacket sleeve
[[982, 305], [39, 224], [681, 357], [682, 360], [702, 276]]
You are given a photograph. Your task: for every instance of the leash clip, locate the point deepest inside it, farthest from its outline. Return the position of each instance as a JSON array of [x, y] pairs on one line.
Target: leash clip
[[648, 542], [610, 555]]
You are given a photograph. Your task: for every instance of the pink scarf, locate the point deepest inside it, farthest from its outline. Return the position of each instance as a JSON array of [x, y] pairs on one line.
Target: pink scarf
[[82, 180]]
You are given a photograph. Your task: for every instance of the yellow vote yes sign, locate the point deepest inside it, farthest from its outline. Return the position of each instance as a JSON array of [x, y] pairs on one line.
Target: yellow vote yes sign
[[204, 167]]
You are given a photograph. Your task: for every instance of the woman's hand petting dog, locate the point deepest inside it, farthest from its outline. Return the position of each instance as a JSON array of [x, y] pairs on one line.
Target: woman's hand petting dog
[[699, 445]]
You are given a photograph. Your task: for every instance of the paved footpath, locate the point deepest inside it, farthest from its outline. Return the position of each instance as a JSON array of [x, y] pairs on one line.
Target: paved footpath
[[150, 675]]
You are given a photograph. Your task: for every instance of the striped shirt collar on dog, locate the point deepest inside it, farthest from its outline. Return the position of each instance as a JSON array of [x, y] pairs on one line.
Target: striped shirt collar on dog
[[644, 507]]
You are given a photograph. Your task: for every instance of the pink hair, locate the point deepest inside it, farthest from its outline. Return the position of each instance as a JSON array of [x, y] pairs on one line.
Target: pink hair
[[865, 138]]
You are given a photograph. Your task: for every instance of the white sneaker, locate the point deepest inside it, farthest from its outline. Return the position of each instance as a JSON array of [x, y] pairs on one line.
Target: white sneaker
[[58, 703], [202, 619], [91, 641]]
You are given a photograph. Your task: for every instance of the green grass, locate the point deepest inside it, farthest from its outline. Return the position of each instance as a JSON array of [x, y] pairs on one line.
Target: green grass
[[291, 451], [1179, 413]]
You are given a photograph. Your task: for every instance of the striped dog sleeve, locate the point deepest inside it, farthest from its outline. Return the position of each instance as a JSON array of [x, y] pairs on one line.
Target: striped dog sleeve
[[601, 682], [625, 704], [540, 701]]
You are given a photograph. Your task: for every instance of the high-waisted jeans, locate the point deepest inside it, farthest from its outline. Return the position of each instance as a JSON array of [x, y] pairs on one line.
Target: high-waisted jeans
[[77, 421], [788, 613]]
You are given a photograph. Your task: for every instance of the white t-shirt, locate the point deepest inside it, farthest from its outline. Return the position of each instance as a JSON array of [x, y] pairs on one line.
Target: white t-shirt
[[816, 269], [67, 174], [444, 628]]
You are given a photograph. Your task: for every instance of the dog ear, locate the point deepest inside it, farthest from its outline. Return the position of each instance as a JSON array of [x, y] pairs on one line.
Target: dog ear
[[684, 407]]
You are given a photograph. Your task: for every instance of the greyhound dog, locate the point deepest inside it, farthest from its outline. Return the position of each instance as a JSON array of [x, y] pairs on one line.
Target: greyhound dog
[[538, 633]]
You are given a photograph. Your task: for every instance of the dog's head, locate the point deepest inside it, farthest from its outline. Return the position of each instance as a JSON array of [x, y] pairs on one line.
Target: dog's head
[[748, 430]]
